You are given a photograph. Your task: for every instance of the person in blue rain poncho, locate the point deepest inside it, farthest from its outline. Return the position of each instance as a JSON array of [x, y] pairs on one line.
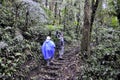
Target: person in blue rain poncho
[[48, 49]]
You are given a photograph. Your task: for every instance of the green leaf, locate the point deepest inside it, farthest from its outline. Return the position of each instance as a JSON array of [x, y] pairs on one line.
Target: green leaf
[[51, 27], [114, 22]]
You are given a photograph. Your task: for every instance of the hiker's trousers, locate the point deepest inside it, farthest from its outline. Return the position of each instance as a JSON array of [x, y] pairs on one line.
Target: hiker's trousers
[[61, 51]]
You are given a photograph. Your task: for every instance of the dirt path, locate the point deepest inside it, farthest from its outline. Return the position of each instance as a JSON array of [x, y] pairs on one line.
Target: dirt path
[[66, 69]]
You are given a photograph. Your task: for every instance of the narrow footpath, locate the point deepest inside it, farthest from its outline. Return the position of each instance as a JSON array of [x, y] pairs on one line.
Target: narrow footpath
[[66, 69]]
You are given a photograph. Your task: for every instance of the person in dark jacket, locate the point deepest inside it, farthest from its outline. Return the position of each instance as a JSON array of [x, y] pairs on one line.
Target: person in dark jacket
[[61, 46]]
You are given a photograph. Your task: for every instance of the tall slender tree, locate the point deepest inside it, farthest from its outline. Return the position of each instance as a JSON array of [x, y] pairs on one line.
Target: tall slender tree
[[94, 9], [46, 3], [88, 23], [86, 28]]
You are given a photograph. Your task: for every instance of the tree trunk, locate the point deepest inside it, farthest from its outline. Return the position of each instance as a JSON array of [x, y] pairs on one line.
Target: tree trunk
[[55, 11], [26, 20], [118, 10], [85, 43], [94, 9], [51, 5], [46, 3], [65, 21], [78, 25], [87, 26], [59, 16]]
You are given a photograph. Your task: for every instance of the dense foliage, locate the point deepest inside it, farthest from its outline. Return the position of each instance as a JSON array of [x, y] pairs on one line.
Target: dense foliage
[[104, 62], [18, 38], [24, 26]]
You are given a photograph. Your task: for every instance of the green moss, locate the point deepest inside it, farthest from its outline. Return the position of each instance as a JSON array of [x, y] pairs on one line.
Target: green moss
[[114, 22]]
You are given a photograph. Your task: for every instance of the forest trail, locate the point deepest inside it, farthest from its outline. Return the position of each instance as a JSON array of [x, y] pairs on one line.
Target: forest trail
[[66, 69]]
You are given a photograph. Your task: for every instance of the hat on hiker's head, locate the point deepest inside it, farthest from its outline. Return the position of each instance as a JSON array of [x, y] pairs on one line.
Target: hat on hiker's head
[[48, 38]]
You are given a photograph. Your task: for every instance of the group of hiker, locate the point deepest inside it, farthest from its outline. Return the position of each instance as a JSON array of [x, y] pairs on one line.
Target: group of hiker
[[49, 47]]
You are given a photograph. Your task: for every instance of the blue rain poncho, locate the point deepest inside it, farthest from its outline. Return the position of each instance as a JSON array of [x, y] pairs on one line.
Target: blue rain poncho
[[48, 49]]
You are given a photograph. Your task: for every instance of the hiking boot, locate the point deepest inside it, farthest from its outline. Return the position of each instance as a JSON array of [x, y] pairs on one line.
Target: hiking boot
[[61, 58]]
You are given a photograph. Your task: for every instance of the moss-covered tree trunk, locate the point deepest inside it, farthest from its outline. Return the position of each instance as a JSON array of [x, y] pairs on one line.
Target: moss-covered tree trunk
[[85, 43]]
